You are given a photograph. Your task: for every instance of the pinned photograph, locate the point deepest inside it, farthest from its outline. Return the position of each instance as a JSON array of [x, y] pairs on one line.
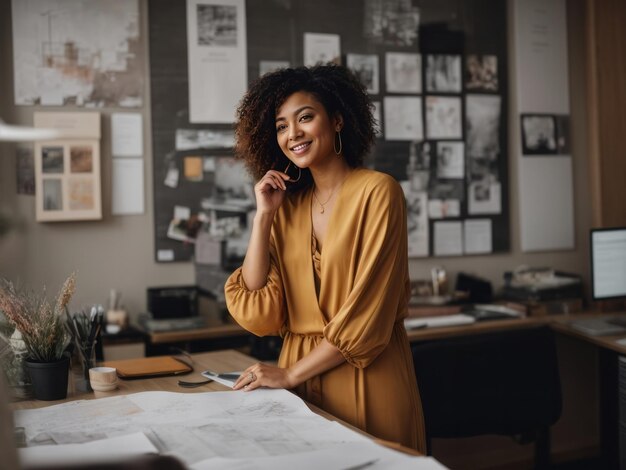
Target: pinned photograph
[[417, 219], [481, 72], [484, 197], [418, 167], [233, 189], [80, 194], [403, 72], [378, 125], [403, 118], [52, 159], [321, 49], [450, 160], [443, 73], [443, 208], [447, 190], [391, 22], [192, 139], [52, 195], [267, 66], [482, 115], [538, 134], [443, 117], [217, 25], [81, 159], [365, 67]]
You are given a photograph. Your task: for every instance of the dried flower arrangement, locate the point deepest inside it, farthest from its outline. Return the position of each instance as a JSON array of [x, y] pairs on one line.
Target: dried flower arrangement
[[40, 322]]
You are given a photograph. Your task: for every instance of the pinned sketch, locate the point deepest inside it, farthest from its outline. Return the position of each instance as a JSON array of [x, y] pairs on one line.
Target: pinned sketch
[[443, 117], [417, 219], [77, 53], [450, 159], [126, 135], [267, 66], [217, 59], [481, 72], [80, 194], [365, 67], [403, 118], [391, 22], [448, 238], [477, 234], [444, 208], [443, 73], [403, 72], [321, 49]]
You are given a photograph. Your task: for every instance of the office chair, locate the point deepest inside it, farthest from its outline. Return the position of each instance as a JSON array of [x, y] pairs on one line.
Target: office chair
[[504, 383]]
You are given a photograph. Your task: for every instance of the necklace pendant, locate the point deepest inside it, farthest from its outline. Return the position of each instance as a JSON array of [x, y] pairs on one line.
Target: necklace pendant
[[322, 211]]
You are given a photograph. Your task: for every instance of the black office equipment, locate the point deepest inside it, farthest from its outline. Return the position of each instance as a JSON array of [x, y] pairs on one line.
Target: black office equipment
[[173, 302], [479, 290], [504, 383]]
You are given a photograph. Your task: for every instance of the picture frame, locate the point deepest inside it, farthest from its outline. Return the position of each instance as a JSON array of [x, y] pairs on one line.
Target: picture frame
[[67, 171], [539, 134]]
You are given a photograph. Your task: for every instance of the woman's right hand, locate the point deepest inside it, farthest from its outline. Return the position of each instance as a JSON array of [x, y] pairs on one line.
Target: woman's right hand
[[270, 191]]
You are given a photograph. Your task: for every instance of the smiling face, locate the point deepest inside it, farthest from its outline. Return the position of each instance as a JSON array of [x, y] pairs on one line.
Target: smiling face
[[304, 130]]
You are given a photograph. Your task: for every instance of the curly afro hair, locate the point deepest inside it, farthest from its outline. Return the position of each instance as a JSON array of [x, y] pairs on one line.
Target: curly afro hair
[[334, 86]]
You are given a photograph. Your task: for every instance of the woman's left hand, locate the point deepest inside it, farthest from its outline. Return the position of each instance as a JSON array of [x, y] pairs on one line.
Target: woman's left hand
[[264, 375]]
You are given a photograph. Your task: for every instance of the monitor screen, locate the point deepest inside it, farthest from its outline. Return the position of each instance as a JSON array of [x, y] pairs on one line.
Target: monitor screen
[[608, 263]]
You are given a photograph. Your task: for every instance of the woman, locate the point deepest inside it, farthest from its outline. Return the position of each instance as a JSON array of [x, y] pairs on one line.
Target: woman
[[326, 266]]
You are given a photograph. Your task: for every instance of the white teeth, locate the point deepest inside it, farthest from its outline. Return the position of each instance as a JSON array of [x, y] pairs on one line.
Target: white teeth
[[299, 147]]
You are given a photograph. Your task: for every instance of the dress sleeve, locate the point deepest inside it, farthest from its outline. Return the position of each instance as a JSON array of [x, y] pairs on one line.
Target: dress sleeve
[[260, 311], [362, 327]]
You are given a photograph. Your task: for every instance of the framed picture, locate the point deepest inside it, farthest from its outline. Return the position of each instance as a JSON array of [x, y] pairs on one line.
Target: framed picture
[[67, 172], [539, 134]]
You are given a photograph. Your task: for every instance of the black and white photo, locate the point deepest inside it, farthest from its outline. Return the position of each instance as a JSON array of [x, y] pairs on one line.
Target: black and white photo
[[450, 160], [25, 170], [538, 134], [217, 25], [443, 73], [482, 118], [365, 67], [52, 195], [391, 22], [481, 72]]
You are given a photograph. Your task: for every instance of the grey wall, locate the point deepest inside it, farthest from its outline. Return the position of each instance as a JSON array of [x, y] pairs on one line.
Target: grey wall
[[117, 252]]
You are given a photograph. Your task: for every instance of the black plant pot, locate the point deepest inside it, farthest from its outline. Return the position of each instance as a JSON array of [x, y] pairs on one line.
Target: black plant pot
[[49, 378]]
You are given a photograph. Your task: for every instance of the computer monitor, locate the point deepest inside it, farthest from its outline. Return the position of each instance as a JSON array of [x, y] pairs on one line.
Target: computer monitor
[[608, 263]]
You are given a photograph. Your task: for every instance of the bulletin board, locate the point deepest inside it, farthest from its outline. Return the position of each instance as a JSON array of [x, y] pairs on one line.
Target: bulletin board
[[442, 115]]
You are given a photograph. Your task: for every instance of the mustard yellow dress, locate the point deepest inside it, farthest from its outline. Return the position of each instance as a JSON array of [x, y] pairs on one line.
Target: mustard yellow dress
[[354, 294]]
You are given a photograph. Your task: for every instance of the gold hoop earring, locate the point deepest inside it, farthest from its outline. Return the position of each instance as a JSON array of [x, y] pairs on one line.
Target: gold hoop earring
[[299, 172], [338, 152]]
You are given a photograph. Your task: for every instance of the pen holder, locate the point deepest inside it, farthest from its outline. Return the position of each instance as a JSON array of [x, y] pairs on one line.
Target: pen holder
[[86, 357]]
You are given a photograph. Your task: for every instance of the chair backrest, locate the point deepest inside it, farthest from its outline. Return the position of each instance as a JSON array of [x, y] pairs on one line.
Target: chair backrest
[[503, 383]]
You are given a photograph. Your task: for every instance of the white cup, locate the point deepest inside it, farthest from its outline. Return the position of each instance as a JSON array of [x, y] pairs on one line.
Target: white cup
[[103, 379]]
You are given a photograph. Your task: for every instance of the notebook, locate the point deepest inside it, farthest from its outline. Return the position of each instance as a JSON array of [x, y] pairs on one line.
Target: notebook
[[149, 367]]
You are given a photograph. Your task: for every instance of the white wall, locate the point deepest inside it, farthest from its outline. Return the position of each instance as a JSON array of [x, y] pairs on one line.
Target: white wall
[[118, 252]]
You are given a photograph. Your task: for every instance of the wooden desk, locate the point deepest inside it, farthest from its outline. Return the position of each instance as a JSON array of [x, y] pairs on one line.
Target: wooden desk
[[210, 332]]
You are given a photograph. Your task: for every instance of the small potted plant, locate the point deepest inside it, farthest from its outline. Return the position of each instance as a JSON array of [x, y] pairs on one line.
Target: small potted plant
[[44, 334]]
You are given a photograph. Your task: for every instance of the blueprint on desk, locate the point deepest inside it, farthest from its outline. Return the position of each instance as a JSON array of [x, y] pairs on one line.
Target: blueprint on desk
[[259, 429]]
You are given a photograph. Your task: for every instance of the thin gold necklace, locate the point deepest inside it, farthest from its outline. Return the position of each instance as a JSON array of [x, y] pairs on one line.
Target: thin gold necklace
[[322, 204]]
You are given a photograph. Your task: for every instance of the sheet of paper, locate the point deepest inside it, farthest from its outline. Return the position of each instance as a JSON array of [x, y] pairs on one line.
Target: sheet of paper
[[210, 428], [448, 238], [165, 255], [127, 186], [181, 212], [218, 72], [403, 118], [126, 135], [108, 450], [218, 379], [478, 236]]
